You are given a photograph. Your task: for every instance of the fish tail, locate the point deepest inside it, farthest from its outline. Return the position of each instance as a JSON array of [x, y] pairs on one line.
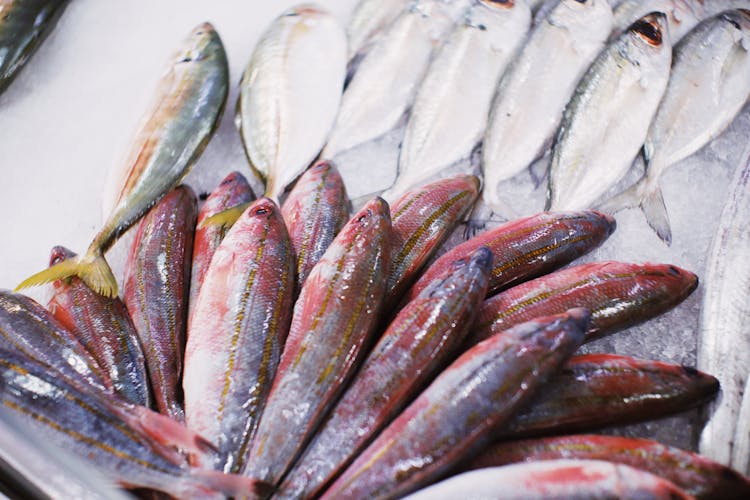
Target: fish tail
[[169, 432], [91, 268], [652, 204], [629, 198], [232, 485], [226, 217]]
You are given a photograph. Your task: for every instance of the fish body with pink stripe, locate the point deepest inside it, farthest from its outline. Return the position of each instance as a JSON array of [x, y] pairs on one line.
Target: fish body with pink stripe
[[618, 294], [333, 319], [314, 212], [104, 328], [157, 282], [460, 410], [238, 331], [555, 480], [530, 246], [420, 341], [422, 220], [599, 390], [234, 190], [695, 474]]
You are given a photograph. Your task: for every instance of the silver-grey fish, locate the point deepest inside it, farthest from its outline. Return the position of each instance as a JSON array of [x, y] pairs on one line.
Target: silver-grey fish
[[187, 108], [606, 121], [290, 93], [708, 86], [370, 17]]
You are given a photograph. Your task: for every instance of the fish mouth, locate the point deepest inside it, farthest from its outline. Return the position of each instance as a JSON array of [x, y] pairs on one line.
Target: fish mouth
[[650, 28]]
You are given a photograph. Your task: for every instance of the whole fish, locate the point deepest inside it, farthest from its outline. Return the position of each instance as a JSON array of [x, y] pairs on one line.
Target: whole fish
[[725, 329], [235, 339], [695, 474], [369, 18], [104, 328], [553, 480], [530, 246], [708, 87], [283, 114], [157, 284], [598, 390], [234, 190], [532, 95], [619, 295], [424, 336], [86, 425], [397, 62], [24, 26], [314, 212], [682, 15], [422, 219], [450, 109], [188, 105], [333, 320], [606, 121], [459, 411]]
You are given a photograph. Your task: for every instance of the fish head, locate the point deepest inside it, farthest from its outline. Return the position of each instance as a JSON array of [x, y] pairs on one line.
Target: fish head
[[588, 19], [738, 23], [496, 16], [651, 32], [202, 43], [60, 253]]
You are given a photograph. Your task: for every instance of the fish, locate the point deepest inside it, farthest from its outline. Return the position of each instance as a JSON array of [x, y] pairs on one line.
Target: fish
[[284, 116], [555, 479], [458, 412], [238, 331], [450, 109], [189, 102], [368, 20], [530, 246], [724, 329], [708, 87], [533, 92], [423, 218], [156, 288], [85, 424], [333, 320], [618, 294], [397, 61], [314, 212], [234, 190], [25, 25], [693, 473], [598, 390], [103, 327], [682, 15], [595, 144], [422, 339]]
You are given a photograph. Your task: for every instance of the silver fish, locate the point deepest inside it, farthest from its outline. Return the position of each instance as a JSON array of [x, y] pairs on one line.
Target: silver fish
[[290, 93], [450, 109], [724, 342], [532, 95], [606, 121], [388, 77], [709, 84], [369, 18]]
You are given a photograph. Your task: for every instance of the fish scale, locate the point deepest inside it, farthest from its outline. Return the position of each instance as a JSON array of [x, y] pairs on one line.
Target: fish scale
[[235, 340]]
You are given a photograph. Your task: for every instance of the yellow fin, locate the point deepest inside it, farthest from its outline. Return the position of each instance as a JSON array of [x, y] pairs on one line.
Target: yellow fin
[[92, 269], [226, 217]]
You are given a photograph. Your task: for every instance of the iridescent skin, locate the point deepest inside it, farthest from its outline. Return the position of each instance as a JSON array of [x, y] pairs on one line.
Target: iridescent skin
[[84, 423], [460, 410], [422, 220], [333, 320], [234, 190], [530, 247], [695, 474], [314, 212], [24, 26], [598, 390], [420, 341], [157, 281], [104, 328], [238, 331], [556, 480], [619, 295], [28, 328]]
